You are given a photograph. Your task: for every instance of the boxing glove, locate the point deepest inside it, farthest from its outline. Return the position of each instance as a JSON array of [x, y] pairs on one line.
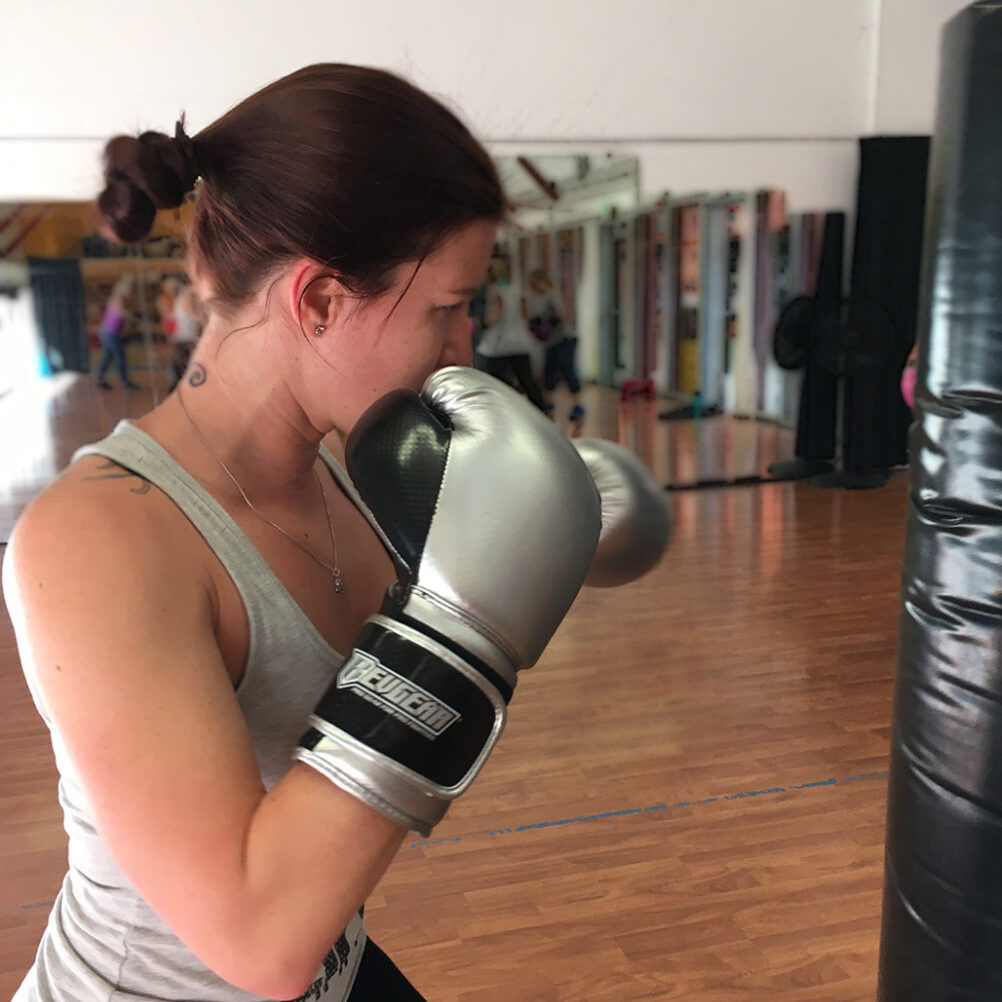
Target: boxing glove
[[493, 520], [636, 517]]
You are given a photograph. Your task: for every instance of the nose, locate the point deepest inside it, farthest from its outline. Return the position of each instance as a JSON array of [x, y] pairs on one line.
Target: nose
[[458, 347]]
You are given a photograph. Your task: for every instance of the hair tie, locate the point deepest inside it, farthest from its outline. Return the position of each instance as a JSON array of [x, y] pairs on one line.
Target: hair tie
[[186, 149]]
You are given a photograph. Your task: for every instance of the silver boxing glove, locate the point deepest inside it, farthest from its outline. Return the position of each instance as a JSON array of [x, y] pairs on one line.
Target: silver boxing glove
[[493, 520], [636, 516]]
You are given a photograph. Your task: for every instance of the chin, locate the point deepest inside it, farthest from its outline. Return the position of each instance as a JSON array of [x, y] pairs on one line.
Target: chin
[[418, 380], [450, 363]]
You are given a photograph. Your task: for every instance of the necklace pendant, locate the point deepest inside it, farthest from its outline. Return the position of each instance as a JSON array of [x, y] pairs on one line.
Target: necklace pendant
[[338, 585]]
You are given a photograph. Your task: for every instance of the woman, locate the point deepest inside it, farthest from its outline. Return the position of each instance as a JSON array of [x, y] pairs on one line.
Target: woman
[[164, 304], [547, 324], [187, 328], [504, 343], [343, 220], [112, 334]]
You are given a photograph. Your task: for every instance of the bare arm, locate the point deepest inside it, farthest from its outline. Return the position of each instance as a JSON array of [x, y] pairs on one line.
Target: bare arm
[[118, 642]]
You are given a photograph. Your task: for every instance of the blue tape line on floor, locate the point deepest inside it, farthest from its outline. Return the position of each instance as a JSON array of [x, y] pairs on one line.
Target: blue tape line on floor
[[24, 908], [605, 815], [627, 811]]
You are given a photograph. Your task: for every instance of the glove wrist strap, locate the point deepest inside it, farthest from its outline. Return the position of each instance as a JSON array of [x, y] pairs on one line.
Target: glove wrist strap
[[406, 725]]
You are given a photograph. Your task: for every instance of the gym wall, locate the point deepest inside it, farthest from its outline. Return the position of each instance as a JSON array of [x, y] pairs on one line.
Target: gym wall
[[908, 65], [721, 93]]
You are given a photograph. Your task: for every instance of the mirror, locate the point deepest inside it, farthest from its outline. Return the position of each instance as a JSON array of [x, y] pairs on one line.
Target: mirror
[[559, 205], [57, 273], [547, 190], [57, 277], [674, 294]]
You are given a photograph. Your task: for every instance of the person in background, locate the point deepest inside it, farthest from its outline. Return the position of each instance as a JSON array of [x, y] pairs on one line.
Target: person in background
[[164, 304], [908, 377], [187, 330], [478, 309], [548, 325], [112, 334], [504, 342]]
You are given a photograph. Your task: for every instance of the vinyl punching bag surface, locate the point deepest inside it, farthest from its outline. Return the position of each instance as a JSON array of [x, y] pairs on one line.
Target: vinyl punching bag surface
[[942, 920]]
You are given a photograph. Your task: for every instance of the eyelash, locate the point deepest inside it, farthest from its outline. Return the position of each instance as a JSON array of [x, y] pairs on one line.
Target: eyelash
[[452, 308]]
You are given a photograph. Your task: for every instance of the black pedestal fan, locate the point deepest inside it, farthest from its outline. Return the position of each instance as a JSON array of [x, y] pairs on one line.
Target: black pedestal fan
[[853, 342]]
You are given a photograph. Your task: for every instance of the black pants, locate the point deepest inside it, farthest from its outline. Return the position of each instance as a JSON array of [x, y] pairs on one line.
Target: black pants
[[114, 351], [380, 980], [560, 362], [519, 366]]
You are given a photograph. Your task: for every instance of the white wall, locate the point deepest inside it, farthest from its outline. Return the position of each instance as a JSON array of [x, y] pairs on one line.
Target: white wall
[[19, 346], [908, 65], [709, 93], [648, 69]]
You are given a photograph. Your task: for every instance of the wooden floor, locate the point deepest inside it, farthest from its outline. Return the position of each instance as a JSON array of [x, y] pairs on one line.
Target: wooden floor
[[689, 800]]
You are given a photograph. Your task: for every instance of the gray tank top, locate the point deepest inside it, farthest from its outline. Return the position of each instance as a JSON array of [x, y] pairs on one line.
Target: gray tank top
[[103, 942]]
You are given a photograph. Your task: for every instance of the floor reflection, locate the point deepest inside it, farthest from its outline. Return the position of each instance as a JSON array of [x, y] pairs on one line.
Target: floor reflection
[[44, 421]]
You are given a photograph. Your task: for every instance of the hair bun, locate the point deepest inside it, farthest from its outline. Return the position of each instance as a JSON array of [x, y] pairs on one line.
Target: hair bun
[[127, 211], [143, 174]]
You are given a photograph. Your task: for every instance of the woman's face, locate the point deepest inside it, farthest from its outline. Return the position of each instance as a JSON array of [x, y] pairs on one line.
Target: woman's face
[[392, 342]]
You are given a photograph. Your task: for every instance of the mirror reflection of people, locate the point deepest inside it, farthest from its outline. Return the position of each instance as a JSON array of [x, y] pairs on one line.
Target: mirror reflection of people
[[187, 330], [111, 334], [549, 326], [478, 310], [164, 304], [504, 341]]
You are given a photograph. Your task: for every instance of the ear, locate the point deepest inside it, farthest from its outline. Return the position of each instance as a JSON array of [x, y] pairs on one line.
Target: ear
[[318, 301]]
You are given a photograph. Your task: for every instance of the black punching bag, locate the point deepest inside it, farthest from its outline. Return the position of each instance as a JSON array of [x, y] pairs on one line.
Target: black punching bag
[[942, 921]]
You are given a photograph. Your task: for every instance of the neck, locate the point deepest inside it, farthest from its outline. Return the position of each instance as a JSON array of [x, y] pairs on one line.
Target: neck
[[234, 411]]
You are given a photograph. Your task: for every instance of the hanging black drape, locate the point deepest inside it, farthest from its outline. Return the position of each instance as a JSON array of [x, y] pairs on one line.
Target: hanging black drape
[[819, 392], [57, 289], [886, 266]]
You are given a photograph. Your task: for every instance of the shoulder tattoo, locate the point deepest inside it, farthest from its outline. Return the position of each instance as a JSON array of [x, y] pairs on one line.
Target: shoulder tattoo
[[110, 470]]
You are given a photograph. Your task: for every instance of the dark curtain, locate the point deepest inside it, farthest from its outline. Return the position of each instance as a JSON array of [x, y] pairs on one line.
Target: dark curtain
[[59, 308], [819, 393], [886, 266]]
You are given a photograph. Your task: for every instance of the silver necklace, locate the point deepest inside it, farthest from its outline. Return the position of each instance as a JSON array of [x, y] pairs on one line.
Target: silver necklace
[[333, 569]]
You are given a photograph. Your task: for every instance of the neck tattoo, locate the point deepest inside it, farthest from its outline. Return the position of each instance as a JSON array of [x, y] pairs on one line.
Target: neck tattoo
[[334, 569]]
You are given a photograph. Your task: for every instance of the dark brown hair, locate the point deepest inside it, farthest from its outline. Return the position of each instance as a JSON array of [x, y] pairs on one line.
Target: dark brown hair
[[353, 167]]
